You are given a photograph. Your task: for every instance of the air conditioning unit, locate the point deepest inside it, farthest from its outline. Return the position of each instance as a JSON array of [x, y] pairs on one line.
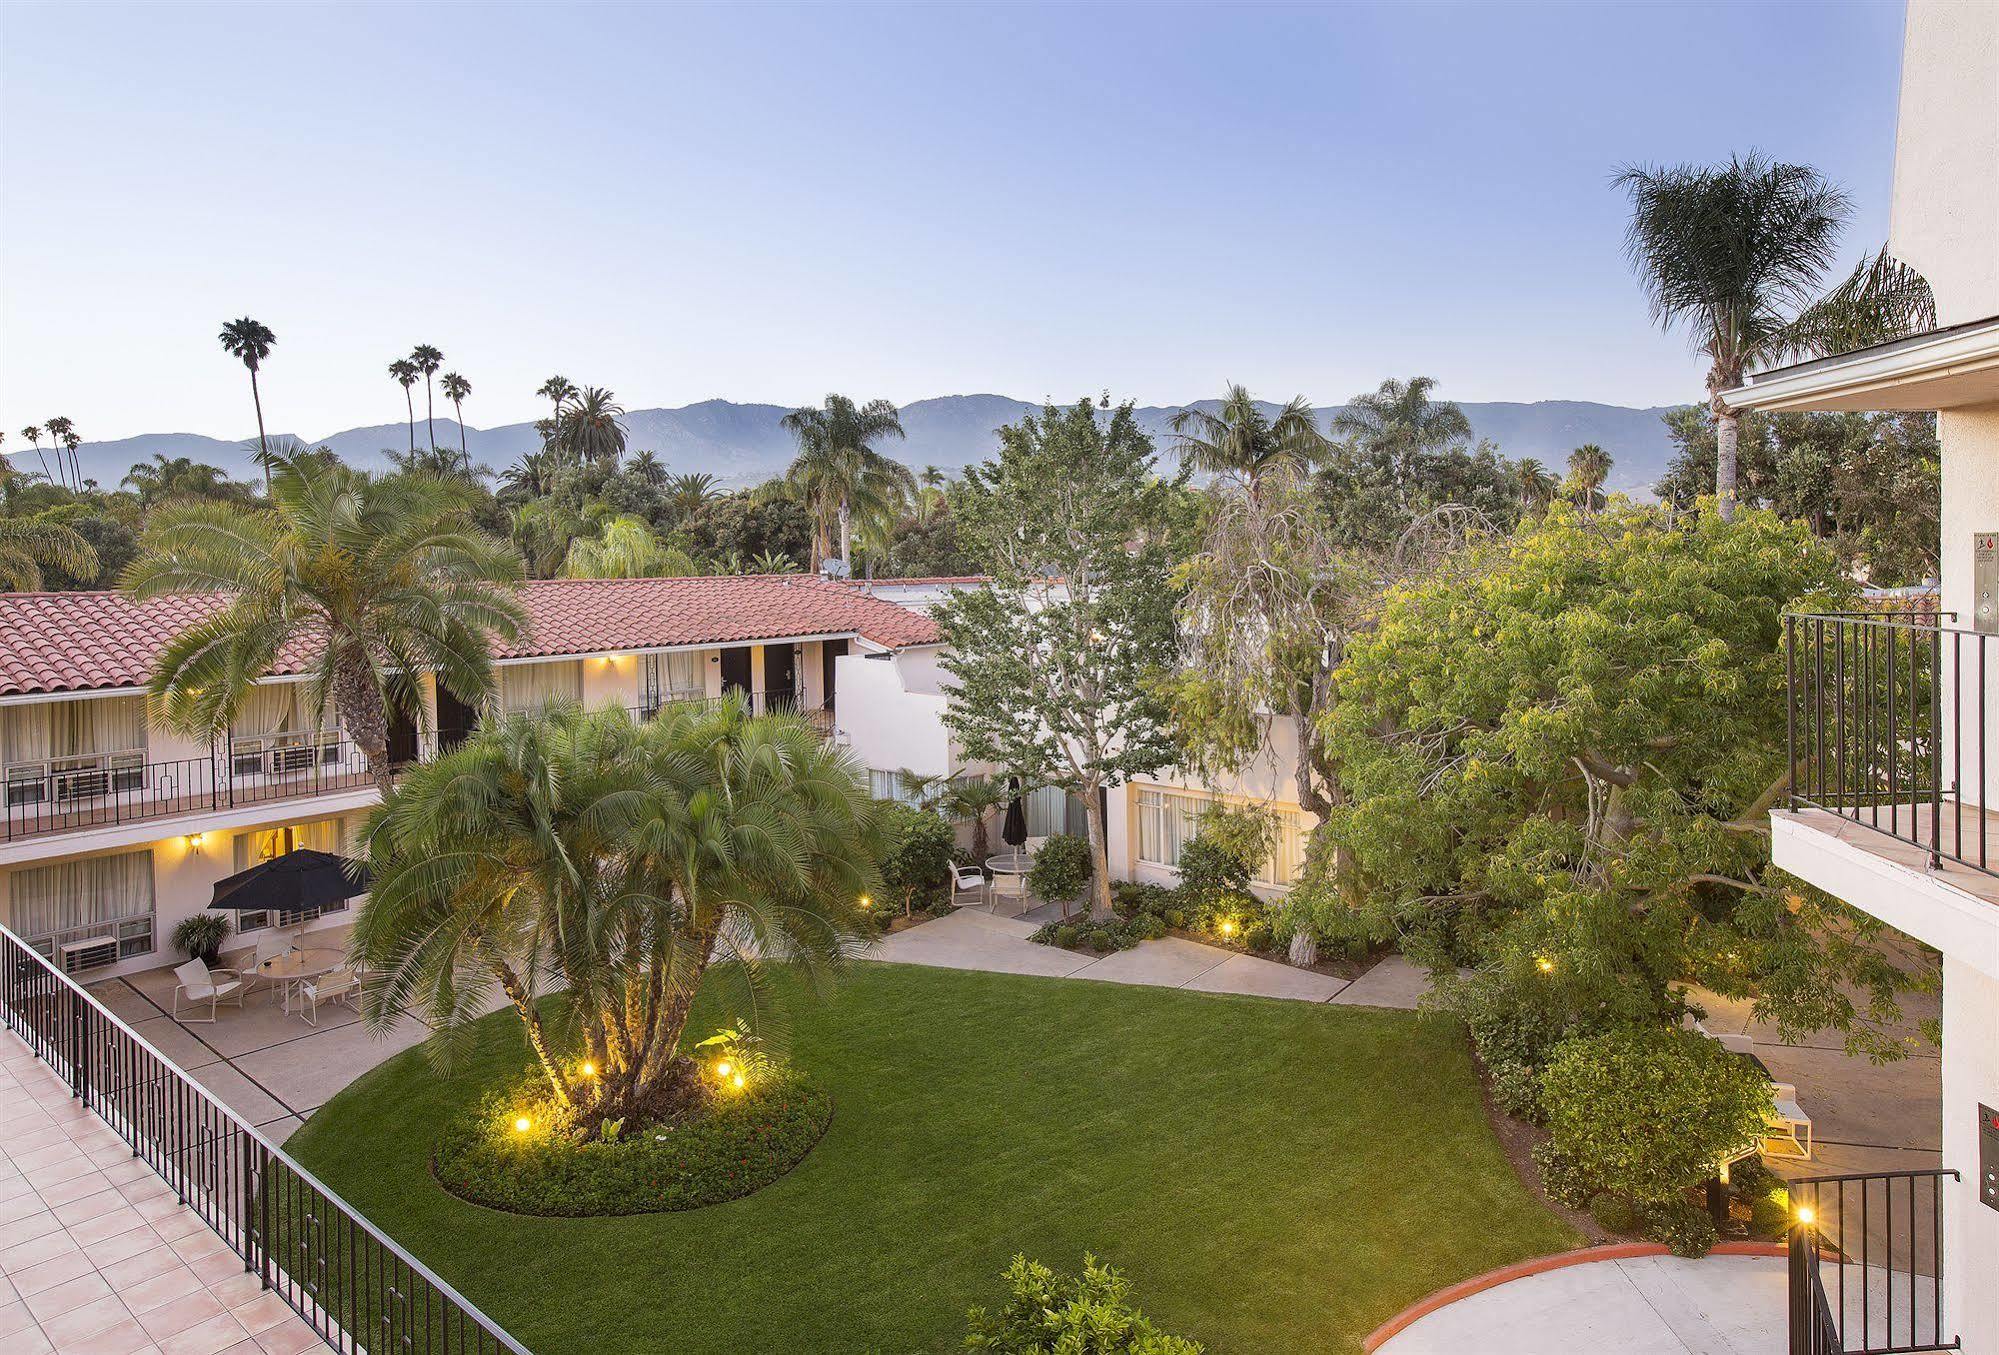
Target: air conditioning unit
[[87, 784], [90, 953], [296, 758]]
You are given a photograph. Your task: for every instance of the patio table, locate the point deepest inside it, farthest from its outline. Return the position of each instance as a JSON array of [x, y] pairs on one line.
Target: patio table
[[292, 969], [1010, 863]]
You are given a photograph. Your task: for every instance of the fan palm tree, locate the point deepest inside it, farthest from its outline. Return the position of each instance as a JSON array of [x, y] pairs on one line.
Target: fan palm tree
[[1735, 251], [590, 428], [62, 435], [427, 360], [838, 474], [1399, 423], [382, 579], [71, 440], [1239, 442], [33, 433], [975, 798], [558, 391], [1536, 483], [251, 342], [646, 467], [403, 372], [633, 863], [686, 493], [1589, 467], [29, 543], [456, 388], [181, 477]]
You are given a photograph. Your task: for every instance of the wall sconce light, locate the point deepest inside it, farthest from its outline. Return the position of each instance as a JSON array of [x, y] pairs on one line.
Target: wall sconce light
[[194, 843]]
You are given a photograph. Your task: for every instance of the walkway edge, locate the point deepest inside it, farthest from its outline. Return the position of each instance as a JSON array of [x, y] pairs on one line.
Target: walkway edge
[[1520, 1270]]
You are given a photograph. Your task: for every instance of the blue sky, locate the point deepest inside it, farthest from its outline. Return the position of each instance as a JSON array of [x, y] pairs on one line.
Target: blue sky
[[767, 203]]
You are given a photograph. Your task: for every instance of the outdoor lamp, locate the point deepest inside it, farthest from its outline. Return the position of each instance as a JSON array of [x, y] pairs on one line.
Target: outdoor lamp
[[522, 1125], [723, 1068]]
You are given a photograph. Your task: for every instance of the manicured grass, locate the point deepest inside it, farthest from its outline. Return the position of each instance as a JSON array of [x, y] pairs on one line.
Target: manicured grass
[[1273, 1176]]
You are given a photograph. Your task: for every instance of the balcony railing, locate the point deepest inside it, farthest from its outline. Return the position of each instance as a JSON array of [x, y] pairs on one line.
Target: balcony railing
[[761, 703], [1887, 728], [352, 1284], [1866, 1259], [105, 790]]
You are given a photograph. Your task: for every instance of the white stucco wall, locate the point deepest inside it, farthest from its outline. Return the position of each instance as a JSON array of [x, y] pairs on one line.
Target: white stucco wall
[[890, 712], [1944, 221], [1970, 1078]]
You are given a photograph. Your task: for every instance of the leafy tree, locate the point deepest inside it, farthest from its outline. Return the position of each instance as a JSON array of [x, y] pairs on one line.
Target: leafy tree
[[404, 373], [1050, 1314], [1061, 870], [918, 859], [1558, 761], [923, 549], [630, 863], [747, 524], [250, 343], [384, 579], [1736, 251], [456, 388], [1237, 440], [838, 475], [1057, 660]]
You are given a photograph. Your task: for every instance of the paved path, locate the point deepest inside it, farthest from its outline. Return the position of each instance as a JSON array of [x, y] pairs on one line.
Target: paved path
[[973, 939], [96, 1255], [1654, 1305]]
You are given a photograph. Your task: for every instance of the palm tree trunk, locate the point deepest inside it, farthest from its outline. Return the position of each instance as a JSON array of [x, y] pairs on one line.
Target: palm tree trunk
[[1725, 442], [517, 994], [410, 401], [429, 414], [463, 455], [263, 445], [846, 537], [44, 460], [358, 702]]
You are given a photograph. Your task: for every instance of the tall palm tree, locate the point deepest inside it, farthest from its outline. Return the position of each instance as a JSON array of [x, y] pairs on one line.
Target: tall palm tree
[[838, 473], [1589, 467], [62, 435], [252, 342], [403, 372], [1239, 442], [558, 391], [33, 433], [1735, 251], [1536, 482], [456, 388], [591, 428], [71, 440], [427, 360], [382, 580], [1399, 423], [629, 862], [931, 497], [29, 543]]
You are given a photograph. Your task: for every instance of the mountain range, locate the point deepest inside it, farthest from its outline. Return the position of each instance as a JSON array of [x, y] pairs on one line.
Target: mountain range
[[745, 443]]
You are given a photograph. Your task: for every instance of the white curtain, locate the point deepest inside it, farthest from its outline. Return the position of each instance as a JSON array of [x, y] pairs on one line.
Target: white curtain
[[524, 686], [270, 708], [56, 729], [27, 734], [1047, 812], [114, 724], [322, 835], [679, 676], [78, 895], [1166, 819]]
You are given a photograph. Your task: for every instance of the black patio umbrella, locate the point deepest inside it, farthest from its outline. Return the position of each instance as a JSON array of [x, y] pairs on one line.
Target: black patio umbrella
[[300, 879], [1014, 831]]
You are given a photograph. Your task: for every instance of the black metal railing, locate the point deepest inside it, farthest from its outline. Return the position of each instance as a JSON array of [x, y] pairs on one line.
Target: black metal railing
[[1865, 1262], [354, 1286], [787, 701], [1886, 727], [245, 771]]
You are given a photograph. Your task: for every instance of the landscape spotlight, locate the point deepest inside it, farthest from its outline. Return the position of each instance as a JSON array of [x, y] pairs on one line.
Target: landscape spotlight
[[522, 1125]]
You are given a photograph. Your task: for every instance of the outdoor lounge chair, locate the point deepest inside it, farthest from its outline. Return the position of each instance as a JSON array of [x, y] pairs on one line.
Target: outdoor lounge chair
[[967, 880], [1789, 1133], [273, 944], [1008, 886], [335, 985], [198, 983]]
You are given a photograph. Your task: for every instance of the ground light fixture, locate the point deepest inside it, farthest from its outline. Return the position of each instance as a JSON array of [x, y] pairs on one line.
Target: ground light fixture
[[523, 1124], [1544, 964], [1227, 926], [723, 1068]]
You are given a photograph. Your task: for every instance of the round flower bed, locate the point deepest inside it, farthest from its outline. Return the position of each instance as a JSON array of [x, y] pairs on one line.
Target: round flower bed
[[735, 1145]]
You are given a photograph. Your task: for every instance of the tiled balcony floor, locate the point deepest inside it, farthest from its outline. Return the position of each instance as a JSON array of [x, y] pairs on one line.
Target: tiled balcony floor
[[96, 1255]]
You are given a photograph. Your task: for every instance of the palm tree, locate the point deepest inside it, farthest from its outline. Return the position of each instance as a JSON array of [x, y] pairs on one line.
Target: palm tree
[[1736, 251], [252, 343], [28, 543], [71, 440], [558, 391], [975, 798], [646, 467], [1239, 442], [772, 562], [427, 360], [456, 388], [590, 428], [624, 548], [838, 474], [382, 580], [686, 493], [1536, 483], [1589, 467], [403, 372], [931, 498], [181, 477], [33, 433], [1399, 423], [628, 862], [62, 434]]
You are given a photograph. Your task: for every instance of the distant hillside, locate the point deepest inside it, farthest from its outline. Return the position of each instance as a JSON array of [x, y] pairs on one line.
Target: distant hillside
[[742, 444]]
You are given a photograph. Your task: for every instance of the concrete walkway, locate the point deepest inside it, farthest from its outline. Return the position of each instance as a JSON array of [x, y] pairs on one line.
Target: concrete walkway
[[1653, 1305], [95, 1253], [974, 939]]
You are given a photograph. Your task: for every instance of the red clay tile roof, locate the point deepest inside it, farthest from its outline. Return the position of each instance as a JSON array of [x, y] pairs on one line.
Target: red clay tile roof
[[69, 642]]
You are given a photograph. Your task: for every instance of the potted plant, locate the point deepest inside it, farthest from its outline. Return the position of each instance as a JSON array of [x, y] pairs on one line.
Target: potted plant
[[201, 936]]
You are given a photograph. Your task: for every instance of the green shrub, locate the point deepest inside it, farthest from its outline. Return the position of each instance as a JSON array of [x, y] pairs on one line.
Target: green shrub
[[1561, 1178], [1176, 918], [1770, 1213], [1516, 1089], [1148, 926], [1682, 1225], [733, 1146], [1648, 1112], [1613, 1213], [1061, 870], [200, 936], [1050, 1314], [917, 866], [1229, 845], [1064, 935], [1131, 899], [1514, 1034]]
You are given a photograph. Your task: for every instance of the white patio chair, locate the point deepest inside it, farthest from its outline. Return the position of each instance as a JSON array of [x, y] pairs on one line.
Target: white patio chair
[[1788, 1132], [272, 944], [1008, 886], [198, 983], [1033, 845], [967, 880], [335, 985]]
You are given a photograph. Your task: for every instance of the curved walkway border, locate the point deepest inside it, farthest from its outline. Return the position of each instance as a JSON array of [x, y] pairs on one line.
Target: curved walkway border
[[1538, 1265]]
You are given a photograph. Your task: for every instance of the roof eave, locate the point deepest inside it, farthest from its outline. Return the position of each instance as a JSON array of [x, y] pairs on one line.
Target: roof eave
[[1952, 369]]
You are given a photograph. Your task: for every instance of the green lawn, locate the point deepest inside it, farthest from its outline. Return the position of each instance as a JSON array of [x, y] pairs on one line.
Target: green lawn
[[1272, 1176]]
